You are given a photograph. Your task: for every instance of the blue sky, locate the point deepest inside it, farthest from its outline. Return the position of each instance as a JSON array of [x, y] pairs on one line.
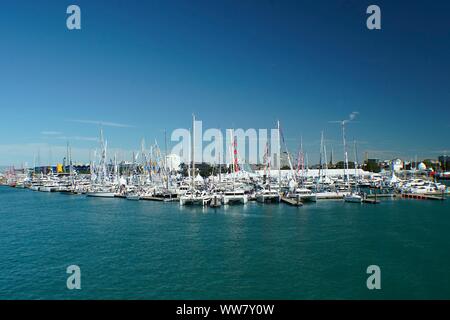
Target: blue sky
[[143, 67]]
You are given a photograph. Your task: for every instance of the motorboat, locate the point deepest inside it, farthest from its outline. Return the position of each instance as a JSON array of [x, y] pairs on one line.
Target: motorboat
[[353, 197]]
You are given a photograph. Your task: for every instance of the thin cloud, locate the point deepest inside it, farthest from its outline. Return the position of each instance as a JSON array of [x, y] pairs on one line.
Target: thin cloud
[[353, 115], [51, 133], [351, 118], [78, 138], [103, 123]]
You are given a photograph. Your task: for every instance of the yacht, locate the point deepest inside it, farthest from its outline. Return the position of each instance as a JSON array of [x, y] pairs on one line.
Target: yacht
[[134, 197], [353, 197], [101, 192], [304, 194], [268, 196], [235, 196], [195, 197]]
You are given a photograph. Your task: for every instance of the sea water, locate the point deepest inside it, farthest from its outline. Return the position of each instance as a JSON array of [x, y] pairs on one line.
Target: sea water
[[154, 250]]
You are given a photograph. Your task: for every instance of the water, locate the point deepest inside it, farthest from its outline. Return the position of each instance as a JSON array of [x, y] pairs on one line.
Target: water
[[151, 250]]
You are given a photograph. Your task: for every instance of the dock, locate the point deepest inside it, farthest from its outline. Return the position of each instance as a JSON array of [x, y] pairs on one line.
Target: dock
[[292, 202], [381, 195], [421, 196], [160, 199]]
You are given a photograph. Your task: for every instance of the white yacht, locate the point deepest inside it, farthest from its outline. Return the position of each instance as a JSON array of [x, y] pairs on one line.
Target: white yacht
[[235, 196], [353, 197], [304, 194], [195, 197], [101, 192], [268, 196]]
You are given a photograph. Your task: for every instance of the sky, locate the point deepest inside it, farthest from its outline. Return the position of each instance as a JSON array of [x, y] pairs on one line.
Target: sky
[[142, 67]]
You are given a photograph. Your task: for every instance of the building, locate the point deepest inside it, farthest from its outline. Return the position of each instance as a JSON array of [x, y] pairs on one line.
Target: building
[[396, 165]]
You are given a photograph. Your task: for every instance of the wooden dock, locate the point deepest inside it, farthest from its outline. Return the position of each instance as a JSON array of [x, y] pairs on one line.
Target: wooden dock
[[422, 196], [381, 195], [292, 202]]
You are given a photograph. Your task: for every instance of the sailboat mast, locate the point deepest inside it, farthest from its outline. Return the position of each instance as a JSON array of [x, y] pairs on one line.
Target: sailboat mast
[[345, 156], [165, 160], [220, 170], [320, 159], [356, 159], [279, 155], [193, 149]]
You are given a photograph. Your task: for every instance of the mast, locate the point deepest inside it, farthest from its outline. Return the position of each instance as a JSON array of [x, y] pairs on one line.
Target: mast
[[302, 159], [165, 160], [279, 155], [67, 155], [356, 158], [325, 161], [189, 158], [193, 150], [319, 179], [70, 165], [220, 170], [293, 173], [345, 156], [233, 169]]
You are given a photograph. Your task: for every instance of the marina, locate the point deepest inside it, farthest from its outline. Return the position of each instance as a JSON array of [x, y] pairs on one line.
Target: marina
[[225, 150], [150, 178]]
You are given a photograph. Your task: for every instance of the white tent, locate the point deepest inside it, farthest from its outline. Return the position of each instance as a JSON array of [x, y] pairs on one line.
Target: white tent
[[198, 178]]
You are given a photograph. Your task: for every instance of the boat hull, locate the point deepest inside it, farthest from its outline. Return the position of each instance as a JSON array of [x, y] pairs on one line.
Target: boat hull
[[268, 199], [235, 199]]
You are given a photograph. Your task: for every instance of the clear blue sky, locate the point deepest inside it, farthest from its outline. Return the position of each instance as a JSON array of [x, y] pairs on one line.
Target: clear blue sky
[[146, 66]]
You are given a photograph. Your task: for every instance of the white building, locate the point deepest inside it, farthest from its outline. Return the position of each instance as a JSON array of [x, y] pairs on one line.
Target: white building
[[397, 165]]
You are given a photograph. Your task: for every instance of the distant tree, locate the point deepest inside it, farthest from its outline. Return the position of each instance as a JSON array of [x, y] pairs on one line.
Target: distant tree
[[372, 167], [340, 165], [204, 169]]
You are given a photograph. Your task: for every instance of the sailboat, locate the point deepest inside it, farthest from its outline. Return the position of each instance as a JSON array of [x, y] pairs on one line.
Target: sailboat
[[101, 187], [350, 197], [194, 196], [271, 194], [235, 194]]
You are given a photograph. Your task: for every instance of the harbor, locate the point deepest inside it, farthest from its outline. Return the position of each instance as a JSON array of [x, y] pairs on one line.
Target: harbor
[[226, 156], [152, 176], [154, 180]]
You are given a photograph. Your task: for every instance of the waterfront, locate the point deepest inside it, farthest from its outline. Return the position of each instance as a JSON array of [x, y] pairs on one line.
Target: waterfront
[[154, 250]]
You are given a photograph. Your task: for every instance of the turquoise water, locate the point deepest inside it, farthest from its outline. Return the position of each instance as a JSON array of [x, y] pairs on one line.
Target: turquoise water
[[151, 250]]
